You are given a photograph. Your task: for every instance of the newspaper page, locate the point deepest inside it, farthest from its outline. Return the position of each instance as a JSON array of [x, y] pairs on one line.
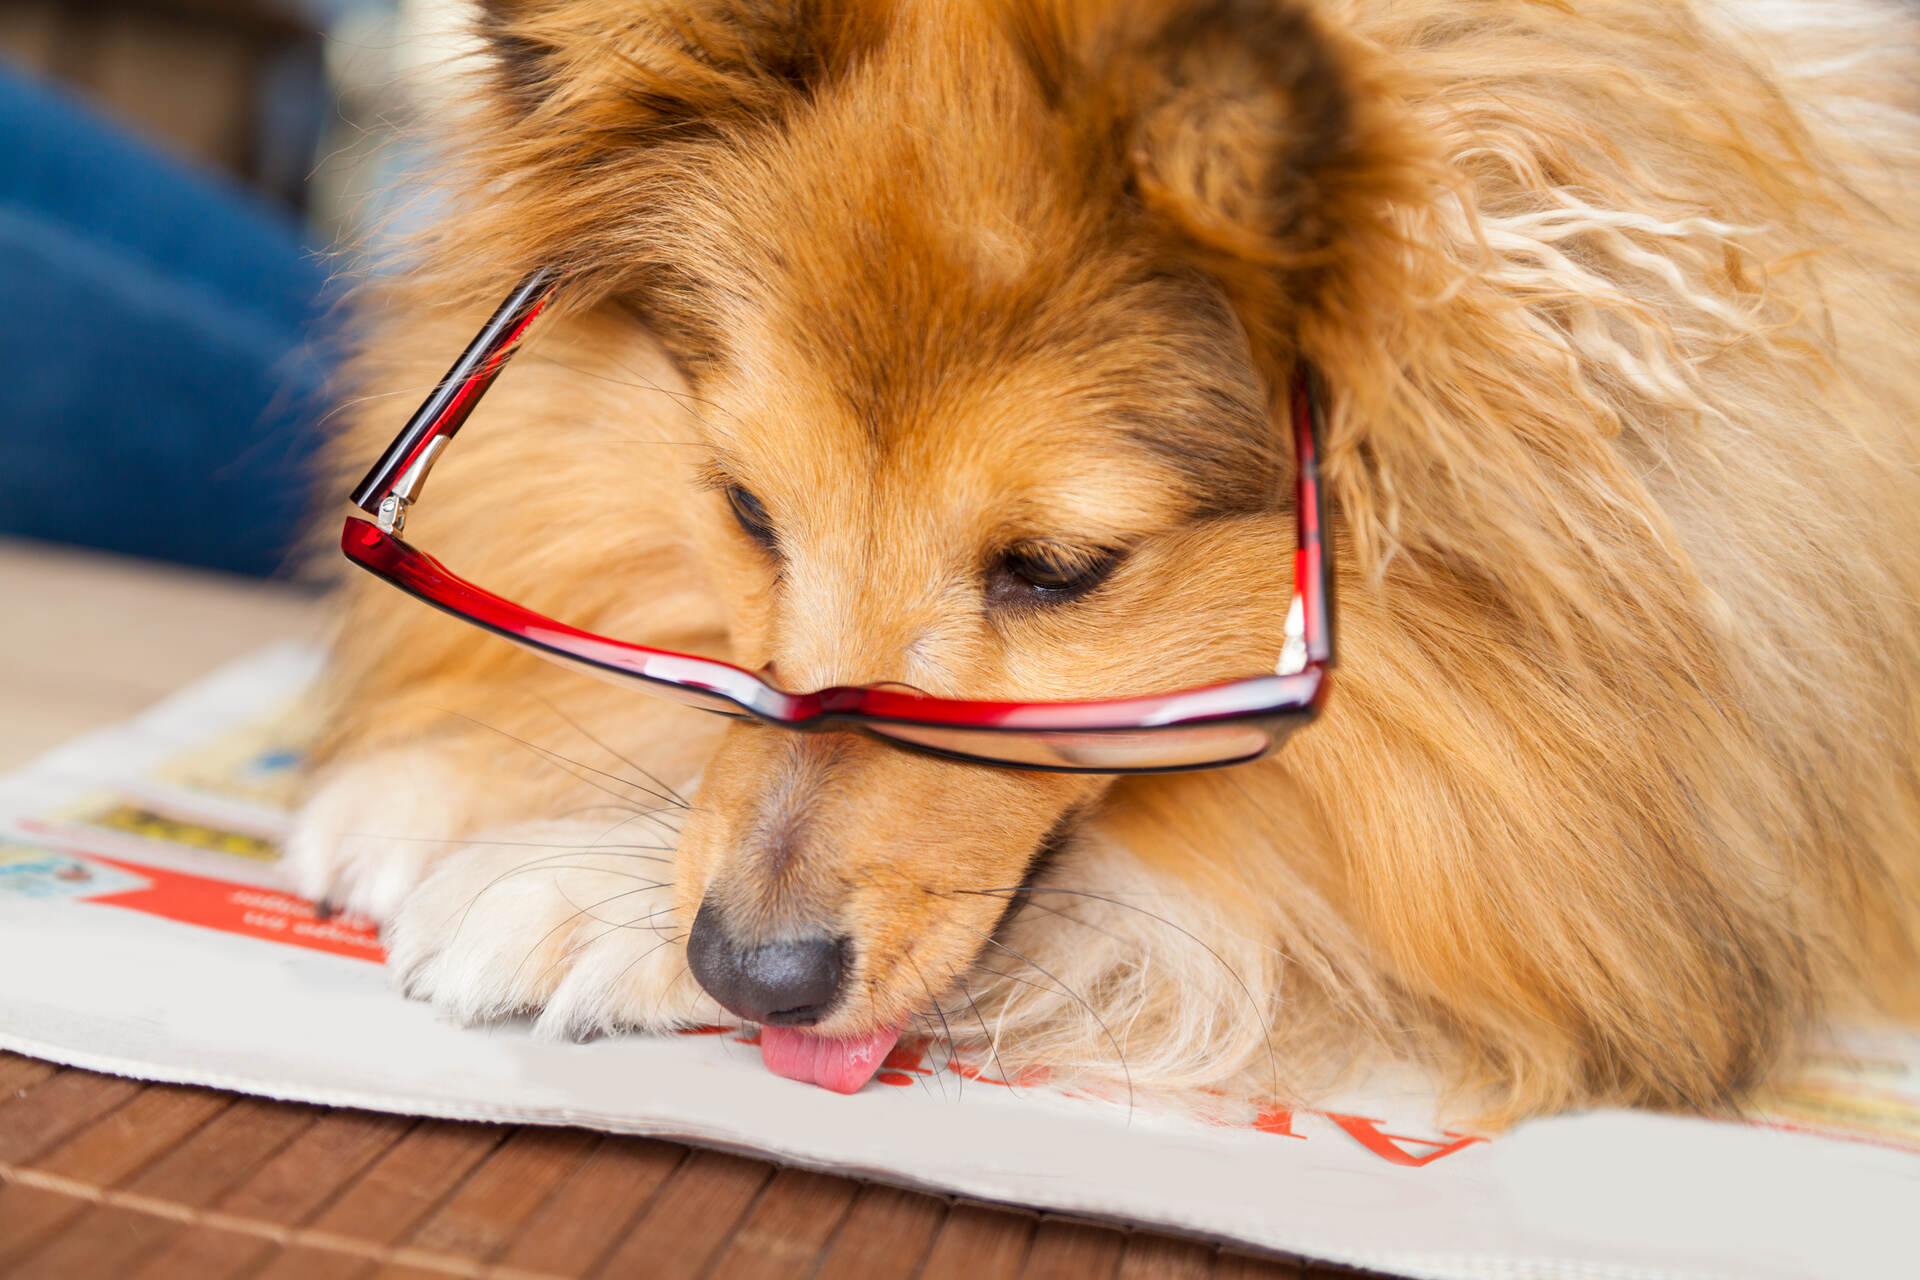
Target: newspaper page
[[143, 932]]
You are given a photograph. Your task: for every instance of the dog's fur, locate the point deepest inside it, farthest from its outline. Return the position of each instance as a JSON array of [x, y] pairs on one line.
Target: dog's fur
[[1615, 301]]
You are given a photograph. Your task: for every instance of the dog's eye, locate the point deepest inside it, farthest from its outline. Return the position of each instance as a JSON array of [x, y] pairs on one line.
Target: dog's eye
[[751, 515], [1048, 575]]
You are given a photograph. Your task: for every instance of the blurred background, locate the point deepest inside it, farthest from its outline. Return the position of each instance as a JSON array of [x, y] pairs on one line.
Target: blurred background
[[174, 178], [304, 103]]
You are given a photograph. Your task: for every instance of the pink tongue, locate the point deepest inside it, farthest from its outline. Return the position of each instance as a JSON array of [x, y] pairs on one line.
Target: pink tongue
[[840, 1065]]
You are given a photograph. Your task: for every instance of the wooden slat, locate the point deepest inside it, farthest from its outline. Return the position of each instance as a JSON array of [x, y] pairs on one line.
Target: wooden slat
[[105, 1152], [1157, 1257], [978, 1243], [59, 1105], [691, 1218], [1073, 1251], [886, 1234], [1241, 1266], [216, 1157], [588, 1215], [286, 1191], [111, 1240], [129, 1137], [795, 1217], [391, 1197], [313, 1262], [490, 1209], [18, 1074]]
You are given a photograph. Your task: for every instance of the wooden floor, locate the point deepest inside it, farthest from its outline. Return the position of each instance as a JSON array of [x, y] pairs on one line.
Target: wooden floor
[[104, 1177]]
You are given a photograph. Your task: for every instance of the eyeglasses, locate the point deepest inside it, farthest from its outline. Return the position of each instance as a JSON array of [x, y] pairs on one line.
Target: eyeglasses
[[1217, 725]]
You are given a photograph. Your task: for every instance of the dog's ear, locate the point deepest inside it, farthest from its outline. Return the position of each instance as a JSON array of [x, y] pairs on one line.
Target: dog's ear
[[643, 67], [1250, 128], [586, 104]]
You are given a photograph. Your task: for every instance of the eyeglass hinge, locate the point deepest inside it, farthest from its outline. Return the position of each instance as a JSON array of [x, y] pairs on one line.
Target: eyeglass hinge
[[392, 515], [1293, 653]]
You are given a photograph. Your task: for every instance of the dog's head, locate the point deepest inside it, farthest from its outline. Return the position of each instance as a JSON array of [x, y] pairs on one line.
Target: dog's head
[[988, 310]]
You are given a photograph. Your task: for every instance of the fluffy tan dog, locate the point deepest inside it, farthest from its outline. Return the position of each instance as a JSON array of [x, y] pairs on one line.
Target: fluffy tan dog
[[940, 342]]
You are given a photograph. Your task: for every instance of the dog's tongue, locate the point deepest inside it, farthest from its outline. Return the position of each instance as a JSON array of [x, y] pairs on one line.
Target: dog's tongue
[[840, 1065]]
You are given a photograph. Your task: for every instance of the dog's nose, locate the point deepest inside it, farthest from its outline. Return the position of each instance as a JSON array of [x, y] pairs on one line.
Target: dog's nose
[[784, 984]]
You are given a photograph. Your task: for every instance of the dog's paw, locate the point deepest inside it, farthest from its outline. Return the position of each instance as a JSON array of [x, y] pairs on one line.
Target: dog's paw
[[371, 829], [549, 919]]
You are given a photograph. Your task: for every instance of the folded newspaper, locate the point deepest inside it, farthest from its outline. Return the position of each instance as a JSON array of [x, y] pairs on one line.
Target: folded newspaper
[[143, 932]]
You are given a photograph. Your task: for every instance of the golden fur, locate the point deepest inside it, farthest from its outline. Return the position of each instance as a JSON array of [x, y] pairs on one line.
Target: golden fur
[[1616, 795]]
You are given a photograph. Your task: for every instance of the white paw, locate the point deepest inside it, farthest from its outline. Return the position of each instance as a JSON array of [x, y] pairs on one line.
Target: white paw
[[554, 919], [371, 830]]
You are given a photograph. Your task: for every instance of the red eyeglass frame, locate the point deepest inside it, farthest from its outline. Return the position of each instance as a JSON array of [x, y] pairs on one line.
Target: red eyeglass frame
[[1209, 727]]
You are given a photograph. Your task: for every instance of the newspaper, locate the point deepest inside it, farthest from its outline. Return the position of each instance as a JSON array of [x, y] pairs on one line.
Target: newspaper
[[143, 932]]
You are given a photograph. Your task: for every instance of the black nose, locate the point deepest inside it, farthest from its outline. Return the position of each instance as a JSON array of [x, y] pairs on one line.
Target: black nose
[[786, 984]]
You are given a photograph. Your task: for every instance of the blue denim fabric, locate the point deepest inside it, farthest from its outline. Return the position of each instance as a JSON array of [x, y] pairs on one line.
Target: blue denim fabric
[[161, 374]]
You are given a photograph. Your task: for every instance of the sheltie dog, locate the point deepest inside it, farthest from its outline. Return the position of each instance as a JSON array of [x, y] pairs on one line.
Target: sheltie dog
[[942, 342]]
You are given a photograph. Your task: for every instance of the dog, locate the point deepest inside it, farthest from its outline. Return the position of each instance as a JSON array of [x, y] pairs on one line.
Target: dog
[[946, 344]]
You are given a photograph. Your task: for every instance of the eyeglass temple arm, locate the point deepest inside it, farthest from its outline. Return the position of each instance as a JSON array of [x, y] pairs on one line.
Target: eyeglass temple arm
[[395, 480], [1309, 626]]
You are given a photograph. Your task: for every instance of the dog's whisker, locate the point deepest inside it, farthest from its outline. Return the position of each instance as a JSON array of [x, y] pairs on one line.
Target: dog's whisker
[[1061, 912], [627, 968], [568, 765], [611, 850], [919, 1024], [683, 397], [645, 921], [548, 865], [573, 1029], [1259, 1012], [992, 1040], [639, 382], [596, 807], [579, 911], [1120, 1054], [537, 864], [1013, 977], [642, 921], [663, 792], [685, 973], [952, 1047], [638, 815]]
